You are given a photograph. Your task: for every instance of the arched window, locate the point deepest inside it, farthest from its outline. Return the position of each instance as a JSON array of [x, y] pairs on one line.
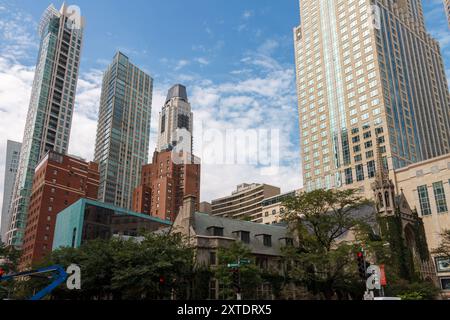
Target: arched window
[[386, 198], [380, 200]]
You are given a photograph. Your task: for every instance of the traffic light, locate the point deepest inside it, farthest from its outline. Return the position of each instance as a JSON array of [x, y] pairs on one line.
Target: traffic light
[[2, 272], [362, 265], [236, 280], [162, 280]]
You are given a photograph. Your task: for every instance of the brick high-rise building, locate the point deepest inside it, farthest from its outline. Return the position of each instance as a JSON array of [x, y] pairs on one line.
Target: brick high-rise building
[[166, 181], [59, 181], [164, 185], [367, 70]]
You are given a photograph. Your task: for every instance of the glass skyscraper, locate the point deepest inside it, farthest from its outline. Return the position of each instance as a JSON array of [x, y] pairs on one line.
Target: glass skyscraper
[[123, 131], [11, 164], [447, 11], [50, 111], [367, 70]]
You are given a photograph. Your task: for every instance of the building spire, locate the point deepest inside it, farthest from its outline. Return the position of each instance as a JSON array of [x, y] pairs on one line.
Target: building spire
[[381, 173]]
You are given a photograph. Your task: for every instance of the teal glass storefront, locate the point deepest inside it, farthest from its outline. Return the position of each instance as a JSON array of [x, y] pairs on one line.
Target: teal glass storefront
[[88, 220]]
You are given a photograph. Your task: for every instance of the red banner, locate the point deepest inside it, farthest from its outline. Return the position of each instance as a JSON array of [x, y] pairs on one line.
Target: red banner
[[383, 280]]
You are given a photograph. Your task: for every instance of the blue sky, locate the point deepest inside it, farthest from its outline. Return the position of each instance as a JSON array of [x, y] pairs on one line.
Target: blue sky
[[213, 36], [236, 58]]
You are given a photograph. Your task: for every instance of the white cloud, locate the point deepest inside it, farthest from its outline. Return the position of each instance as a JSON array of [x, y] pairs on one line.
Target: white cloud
[[247, 14], [202, 61], [266, 101], [263, 99], [82, 136], [15, 35], [181, 64], [15, 91]]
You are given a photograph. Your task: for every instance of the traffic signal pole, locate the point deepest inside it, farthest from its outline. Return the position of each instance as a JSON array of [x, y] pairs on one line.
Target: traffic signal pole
[[236, 267]]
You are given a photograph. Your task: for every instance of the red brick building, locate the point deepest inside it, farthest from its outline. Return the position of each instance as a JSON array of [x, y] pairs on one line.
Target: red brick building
[[164, 185], [59, 181]]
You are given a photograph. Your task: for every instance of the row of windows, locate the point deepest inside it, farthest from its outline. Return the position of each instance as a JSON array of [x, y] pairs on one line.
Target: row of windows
[[439, 196], [245, 236]]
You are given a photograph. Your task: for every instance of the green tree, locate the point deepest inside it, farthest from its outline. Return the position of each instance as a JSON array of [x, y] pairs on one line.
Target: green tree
[[323, 261], [9, 261], [250, 274], [443, 250], [420, 290], [123, 269], [159, 267], [96, 260]]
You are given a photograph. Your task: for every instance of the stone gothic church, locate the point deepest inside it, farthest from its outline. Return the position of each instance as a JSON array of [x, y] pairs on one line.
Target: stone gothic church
[[402, 228]]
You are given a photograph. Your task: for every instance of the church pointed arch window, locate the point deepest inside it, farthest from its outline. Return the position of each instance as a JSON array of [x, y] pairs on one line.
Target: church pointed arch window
[[380, 200], [386, 198]]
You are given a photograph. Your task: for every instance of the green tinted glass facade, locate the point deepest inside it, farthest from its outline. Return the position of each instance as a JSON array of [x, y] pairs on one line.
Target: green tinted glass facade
[[50, 111], [123, 131]]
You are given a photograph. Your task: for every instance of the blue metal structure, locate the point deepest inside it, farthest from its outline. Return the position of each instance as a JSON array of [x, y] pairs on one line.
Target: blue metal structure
[[58, 275]]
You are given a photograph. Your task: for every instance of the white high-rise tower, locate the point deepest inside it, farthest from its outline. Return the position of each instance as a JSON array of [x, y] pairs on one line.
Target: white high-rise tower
[[50, 111], [175, 114]]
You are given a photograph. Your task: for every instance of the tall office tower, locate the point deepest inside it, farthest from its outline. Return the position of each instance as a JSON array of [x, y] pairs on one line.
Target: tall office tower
[[50, 112], [447, 10], [173, 173], [123, 130], [367, 70], [59, 181], [176, 114], [11, 165]]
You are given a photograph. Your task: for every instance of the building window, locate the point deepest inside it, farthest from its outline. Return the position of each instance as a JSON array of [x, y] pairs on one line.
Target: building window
[[439, 195], [267, 240], [262, 262], [212, 290], [371, 169], [359, 172], [348, 176], [217, 232], [74, 236], [245, 236], [424, 200], [445, 284], [212, 258]]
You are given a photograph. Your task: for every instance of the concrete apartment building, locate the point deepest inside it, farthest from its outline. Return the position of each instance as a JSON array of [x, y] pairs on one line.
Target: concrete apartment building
[[59, 181], [123, 130], [273, 208], [367, 71], [11, 165], [245, 203], [49, 117], [426, 186]]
